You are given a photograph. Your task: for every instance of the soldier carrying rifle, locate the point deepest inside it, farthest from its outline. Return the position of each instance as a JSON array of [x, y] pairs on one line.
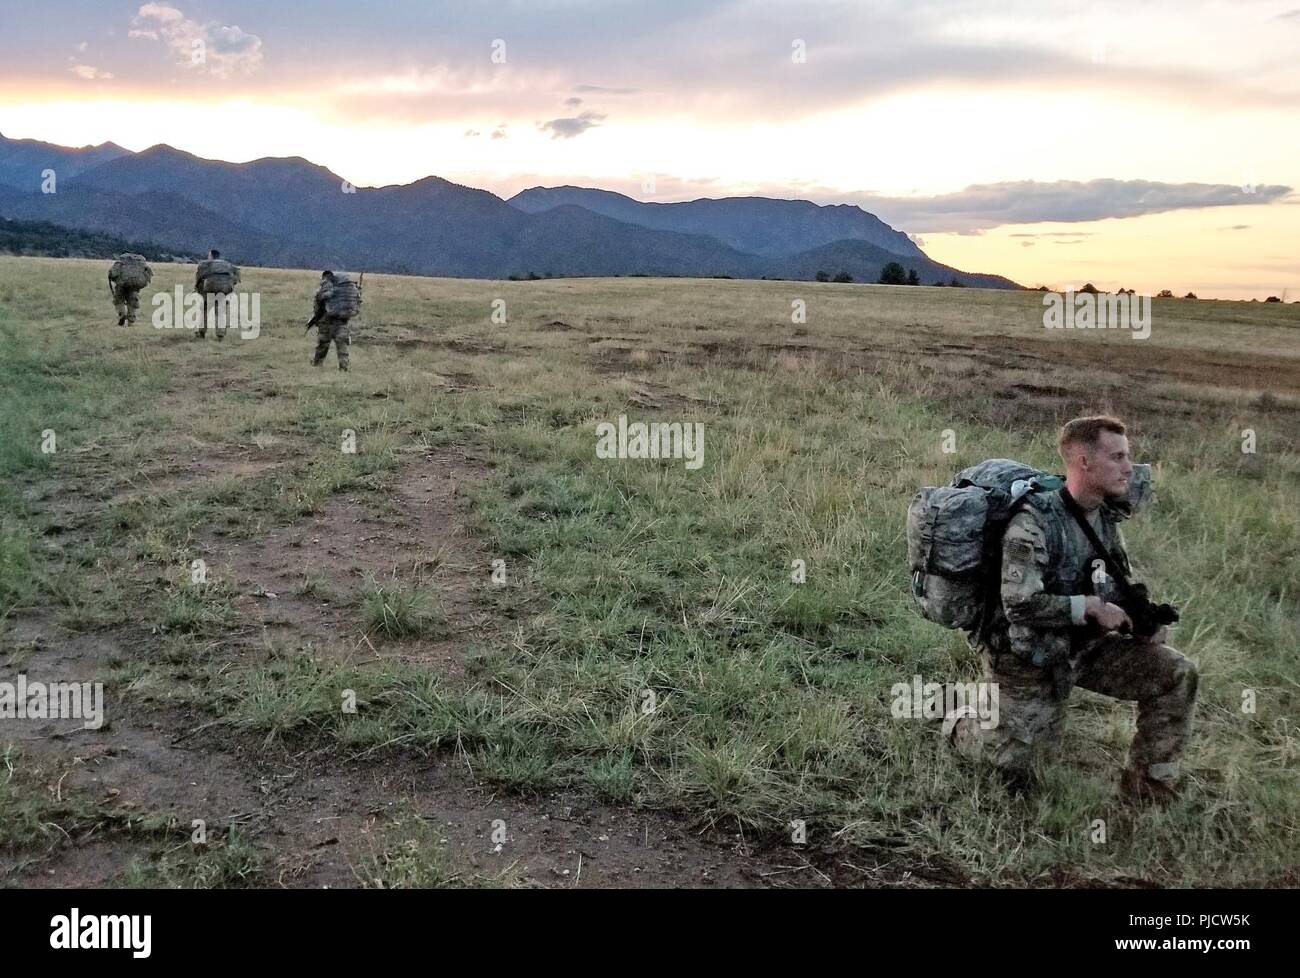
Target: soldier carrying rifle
[[338, 300], [1068, 615], [1033, 567]]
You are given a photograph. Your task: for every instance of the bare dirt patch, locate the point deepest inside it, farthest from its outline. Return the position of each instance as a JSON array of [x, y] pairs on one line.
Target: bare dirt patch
[[306, 580], [553, 839], [647, 393], [321, 820], [175, 471], [459, 381], [470, 347], [1215, 368], [621, 359]]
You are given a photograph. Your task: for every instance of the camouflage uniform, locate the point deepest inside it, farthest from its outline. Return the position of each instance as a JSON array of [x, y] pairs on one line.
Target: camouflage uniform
[[330, 329], [1039, 646], [126, 302], [215, 304], [126, 298]]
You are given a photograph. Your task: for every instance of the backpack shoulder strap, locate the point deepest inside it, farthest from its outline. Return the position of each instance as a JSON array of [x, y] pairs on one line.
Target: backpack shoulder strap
[[993, 586]]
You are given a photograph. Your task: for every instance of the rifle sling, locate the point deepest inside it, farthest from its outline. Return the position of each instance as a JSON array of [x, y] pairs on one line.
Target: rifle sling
[[1099, 550]]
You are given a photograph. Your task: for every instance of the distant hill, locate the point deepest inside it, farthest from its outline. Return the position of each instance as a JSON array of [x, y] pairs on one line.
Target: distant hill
[[50, 240], [865, 261], [176, 223], [759, 225], [22, 161], [572, 240], [291, 212]]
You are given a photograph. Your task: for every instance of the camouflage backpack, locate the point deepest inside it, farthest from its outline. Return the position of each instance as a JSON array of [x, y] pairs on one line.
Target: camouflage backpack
[[342, 297], [954, 535], [130, 271], [217, 276]]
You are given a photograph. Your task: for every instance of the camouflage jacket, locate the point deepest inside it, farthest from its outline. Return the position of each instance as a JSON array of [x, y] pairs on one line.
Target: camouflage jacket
[[1048, 569], [214, 266], [323, 293]]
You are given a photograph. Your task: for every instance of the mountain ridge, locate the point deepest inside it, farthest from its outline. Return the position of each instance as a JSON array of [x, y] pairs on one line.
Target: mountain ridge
[[766, 226], [290, 211]]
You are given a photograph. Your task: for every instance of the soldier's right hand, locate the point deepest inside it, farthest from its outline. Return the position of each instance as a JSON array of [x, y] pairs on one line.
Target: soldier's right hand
[[1109, 617]]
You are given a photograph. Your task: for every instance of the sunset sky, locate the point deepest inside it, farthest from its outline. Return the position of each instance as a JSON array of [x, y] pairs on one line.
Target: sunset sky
[[1149, 143]]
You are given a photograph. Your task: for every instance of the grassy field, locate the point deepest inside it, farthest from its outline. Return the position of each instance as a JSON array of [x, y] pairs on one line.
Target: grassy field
[[643, 651]]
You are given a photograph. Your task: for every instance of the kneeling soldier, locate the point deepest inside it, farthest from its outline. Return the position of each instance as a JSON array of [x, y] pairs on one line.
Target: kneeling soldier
[[1059, 624]]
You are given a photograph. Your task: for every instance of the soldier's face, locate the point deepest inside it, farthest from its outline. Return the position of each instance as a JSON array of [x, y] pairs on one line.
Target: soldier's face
[[1109, 466]]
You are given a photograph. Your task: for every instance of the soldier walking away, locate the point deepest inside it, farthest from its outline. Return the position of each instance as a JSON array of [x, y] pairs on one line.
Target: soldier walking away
[[338, 300], [128, 275], [214, 279], [1068, 616]]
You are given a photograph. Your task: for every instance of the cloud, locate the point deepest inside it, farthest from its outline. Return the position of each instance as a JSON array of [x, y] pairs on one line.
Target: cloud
[[731, 59], [1055, 234], [234, 42], [735, 57], [217, 49], [984, 206], [573, 102], [160, 11], [572, 126], [498, 133], [601, 89], [441, 92], [90, 73]]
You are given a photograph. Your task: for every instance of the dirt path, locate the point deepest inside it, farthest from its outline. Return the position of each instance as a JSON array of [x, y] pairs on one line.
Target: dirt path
[[319, 816]]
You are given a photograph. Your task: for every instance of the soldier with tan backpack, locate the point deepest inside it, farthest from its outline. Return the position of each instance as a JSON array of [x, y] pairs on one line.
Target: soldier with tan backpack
[[128, 275], [215, 279], [1033, 566], [338, 300]]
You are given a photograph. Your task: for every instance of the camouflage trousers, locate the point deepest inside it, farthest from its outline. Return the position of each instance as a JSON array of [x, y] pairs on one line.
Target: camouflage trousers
[[217, 307], [332, 331], [1032, 702], [127, 304]]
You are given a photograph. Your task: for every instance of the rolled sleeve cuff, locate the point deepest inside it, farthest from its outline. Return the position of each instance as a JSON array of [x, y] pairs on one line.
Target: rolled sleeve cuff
[[1078, 609]]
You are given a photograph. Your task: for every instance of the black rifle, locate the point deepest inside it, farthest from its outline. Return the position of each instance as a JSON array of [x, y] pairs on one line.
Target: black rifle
[[310, 323], [1147, 616]]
